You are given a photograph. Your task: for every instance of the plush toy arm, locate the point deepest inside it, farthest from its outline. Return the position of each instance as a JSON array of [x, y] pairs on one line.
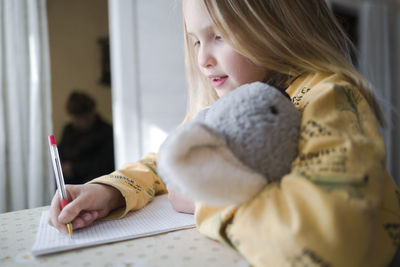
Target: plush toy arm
[[197, 162]]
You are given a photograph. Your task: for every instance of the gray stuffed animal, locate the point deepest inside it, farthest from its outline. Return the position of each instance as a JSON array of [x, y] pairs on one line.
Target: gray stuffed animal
[[231, 150]]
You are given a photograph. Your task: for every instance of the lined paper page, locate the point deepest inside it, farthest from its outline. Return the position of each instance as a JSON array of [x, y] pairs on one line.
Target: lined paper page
[[157, 217]]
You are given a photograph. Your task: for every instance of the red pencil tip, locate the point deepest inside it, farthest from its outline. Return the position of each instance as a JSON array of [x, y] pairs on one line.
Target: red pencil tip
[[52, 140]]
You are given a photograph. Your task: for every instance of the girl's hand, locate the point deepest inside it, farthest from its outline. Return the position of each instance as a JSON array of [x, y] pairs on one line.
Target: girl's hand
[[179, 202], [88, 202]]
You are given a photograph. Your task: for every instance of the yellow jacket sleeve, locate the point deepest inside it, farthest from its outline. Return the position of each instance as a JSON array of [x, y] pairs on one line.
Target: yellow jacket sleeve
[[337, 206], [138, 183]]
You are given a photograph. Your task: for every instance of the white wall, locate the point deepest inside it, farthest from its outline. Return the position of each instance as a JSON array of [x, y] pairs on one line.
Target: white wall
[[149, 86], [161, 74]]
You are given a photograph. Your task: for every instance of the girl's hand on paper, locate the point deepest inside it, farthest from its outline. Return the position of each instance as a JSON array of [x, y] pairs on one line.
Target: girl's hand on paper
[[88, 202], [179, 202]]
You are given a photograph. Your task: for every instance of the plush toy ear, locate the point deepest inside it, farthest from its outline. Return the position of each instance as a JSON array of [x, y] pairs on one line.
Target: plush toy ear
[[197, 162]]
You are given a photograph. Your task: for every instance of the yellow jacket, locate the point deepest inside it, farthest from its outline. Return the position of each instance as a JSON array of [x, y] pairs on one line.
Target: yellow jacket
[[337, 207]]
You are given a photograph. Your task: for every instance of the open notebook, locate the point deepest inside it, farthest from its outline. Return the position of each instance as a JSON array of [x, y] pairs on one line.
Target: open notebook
[[157, 217]]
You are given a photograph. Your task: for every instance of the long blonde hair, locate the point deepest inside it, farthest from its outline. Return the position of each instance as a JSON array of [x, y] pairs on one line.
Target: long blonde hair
[[287, 37]]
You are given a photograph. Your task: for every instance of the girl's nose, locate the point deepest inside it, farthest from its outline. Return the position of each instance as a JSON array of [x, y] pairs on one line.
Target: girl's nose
[[205, 58]]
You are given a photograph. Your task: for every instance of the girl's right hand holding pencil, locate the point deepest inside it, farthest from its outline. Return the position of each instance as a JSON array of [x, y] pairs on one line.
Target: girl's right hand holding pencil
[[88, 202]]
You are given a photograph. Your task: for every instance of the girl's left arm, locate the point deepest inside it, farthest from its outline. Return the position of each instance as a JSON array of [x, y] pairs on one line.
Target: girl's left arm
[[337, 206]]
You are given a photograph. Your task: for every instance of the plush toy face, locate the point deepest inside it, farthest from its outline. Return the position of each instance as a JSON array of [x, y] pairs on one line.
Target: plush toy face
[[231, 150]]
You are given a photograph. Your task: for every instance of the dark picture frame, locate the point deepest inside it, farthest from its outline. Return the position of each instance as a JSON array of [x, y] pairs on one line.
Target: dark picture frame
[[105, 70]]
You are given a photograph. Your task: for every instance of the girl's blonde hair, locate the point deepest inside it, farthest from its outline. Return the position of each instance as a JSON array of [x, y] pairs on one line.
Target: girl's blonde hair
[[287, 37]]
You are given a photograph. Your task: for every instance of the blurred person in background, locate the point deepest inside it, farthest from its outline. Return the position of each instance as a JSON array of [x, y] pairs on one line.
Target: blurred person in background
[[86, 148]]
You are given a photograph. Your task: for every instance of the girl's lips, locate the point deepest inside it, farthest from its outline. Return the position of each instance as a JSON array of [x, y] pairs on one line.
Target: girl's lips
[[218, 81]]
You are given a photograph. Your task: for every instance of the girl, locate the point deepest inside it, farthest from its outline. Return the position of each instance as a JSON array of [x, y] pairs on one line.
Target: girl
[[338, 206]]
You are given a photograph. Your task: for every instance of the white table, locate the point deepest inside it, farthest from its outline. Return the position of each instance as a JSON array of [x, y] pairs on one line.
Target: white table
[[181, 248]]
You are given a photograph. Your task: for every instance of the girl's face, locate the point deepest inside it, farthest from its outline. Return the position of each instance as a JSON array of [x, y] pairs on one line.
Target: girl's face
[[219, 62]]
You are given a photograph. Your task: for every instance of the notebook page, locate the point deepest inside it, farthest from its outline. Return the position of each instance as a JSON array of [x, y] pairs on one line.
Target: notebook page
[[157, 217]]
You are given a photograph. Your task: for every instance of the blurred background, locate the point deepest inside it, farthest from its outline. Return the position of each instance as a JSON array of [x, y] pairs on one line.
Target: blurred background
[[127, 56]]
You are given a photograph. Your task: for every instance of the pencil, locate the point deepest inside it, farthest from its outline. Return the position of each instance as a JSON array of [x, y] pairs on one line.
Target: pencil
[[59, 177]]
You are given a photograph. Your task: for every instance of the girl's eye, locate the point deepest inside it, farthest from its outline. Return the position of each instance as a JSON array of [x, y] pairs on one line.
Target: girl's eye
[[218, 37], [196, 43]]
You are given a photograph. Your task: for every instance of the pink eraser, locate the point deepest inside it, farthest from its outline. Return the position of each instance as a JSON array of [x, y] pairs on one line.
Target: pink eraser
[[52, 140]]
